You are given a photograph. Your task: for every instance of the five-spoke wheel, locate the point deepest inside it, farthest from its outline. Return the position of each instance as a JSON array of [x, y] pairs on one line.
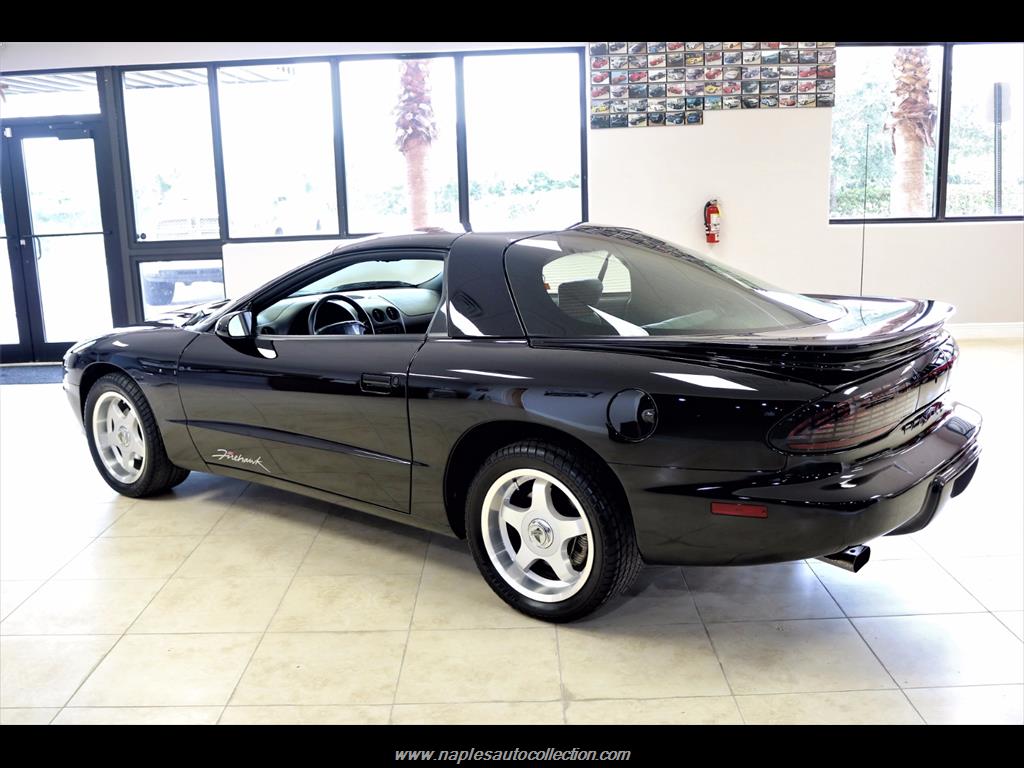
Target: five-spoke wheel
[[550, 531], [124, 440], [118, 435], [537, 535]]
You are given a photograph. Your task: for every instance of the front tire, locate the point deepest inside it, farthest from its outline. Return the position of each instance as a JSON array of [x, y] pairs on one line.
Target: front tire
[[124, 440], [548, 533]]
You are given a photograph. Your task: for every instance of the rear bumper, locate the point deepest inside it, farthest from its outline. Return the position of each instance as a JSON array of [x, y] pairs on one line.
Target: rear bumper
[[812, 511]]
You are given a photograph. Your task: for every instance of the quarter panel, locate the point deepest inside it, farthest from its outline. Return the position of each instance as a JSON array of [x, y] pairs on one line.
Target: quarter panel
[[457, 384]]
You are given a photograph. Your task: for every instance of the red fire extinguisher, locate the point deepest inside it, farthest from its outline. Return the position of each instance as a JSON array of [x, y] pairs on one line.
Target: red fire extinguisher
[[712, 221]]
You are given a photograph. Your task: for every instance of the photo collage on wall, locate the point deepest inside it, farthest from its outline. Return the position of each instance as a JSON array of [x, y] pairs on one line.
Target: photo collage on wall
[[635, 85]]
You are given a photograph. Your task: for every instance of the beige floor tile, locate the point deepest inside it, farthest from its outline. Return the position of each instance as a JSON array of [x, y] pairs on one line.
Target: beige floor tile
[[308, 715], [213, 605], [697, 710], [983, 705], [14, 593], [80, 519], [480, 665], [1014, 620], [796, 656], [248, 516], [267, 498], [998, 582], [638, 662], [231, 556], [896, 587], [154, 520], [977, 524], [138, 716], [88, 607], [45, 671], [37, 558], [935, 651], [834, 708], [168, 670], [658, 596], [895, 548], [140, 557], [490, 713], [323, 668], [353, 543], [345, 603], [453, 594], [200, 490], [749, 593], [37, 716]]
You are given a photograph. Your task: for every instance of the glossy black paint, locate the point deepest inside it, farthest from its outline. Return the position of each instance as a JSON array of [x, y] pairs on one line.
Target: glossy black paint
[[397, 425]]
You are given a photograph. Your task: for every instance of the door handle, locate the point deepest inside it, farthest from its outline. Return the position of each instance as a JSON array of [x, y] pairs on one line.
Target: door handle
[[377, 383]]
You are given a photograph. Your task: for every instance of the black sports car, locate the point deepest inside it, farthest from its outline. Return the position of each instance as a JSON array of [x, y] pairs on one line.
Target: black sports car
[[573, 403]]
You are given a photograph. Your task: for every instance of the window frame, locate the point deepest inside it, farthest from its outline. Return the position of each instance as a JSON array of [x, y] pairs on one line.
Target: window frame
[[129, 306], [942, 143], [344, 232]]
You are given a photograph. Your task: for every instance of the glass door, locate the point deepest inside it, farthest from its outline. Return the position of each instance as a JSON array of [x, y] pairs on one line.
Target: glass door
[[60, 244]]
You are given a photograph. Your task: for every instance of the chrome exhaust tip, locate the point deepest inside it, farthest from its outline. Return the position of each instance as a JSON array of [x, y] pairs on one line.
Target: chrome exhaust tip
[[851, 559]]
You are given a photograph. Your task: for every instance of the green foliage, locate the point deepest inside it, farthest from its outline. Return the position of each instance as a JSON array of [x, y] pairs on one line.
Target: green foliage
[[861, 148]]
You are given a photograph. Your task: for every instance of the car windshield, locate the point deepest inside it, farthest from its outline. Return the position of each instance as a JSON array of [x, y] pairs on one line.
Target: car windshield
[[606, 281], [366, 275]]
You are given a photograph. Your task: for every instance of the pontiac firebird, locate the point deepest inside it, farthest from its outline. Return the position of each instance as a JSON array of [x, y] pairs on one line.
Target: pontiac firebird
[[573, 403]]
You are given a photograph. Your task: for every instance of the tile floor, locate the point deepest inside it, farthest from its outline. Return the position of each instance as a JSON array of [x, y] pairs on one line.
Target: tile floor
[[228, 602]]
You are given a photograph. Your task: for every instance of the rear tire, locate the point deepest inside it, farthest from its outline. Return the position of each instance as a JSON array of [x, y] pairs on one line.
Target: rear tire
[[125, 441], [550, 536]]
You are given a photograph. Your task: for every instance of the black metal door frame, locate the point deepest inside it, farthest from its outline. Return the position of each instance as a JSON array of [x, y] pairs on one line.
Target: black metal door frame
[[22, 244]]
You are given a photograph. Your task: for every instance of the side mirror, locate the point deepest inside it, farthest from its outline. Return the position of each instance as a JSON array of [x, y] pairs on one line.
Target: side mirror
[[234, 325]]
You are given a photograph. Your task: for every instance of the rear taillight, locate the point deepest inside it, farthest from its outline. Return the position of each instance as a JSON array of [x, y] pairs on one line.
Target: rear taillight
[[835, 426], [865, 415]]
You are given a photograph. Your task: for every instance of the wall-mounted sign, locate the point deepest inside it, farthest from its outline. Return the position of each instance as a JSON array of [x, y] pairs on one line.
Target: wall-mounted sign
[[633, 85]]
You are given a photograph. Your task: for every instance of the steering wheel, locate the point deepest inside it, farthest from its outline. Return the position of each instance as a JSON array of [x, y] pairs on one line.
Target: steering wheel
[[357, 327]]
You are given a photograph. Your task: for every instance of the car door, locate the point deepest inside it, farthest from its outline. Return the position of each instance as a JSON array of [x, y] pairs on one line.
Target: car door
[[327, 412]]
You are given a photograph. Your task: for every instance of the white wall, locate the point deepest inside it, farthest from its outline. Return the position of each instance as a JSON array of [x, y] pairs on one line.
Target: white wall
[[769, 170]]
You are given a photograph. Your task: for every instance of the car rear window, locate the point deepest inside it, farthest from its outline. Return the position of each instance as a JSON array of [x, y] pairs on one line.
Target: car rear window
[[605, 281]]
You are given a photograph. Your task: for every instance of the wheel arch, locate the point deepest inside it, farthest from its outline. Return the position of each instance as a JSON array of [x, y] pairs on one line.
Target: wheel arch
[[93, 373], [480, 441]]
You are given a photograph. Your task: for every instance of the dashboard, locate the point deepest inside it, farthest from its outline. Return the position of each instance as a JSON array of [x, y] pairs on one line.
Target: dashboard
[[390, 311]]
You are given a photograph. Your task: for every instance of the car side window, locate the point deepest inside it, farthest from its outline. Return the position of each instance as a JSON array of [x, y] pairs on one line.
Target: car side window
[[384, 293], [579, 283]]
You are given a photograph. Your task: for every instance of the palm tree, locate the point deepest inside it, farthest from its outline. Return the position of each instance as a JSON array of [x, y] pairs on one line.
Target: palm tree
[[913, 122], [416, 129]]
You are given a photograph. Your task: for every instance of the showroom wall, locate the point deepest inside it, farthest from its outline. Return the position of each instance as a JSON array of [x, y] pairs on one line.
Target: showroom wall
[[769, 169]]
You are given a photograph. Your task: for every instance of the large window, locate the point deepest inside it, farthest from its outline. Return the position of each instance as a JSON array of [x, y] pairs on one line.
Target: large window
[[524, 164], [400, 148], [928, 132], [868, 179], [353, 145], [327, 148], [170, 284], [986, 139], [170, 151], [49, 94], [278, 140]]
